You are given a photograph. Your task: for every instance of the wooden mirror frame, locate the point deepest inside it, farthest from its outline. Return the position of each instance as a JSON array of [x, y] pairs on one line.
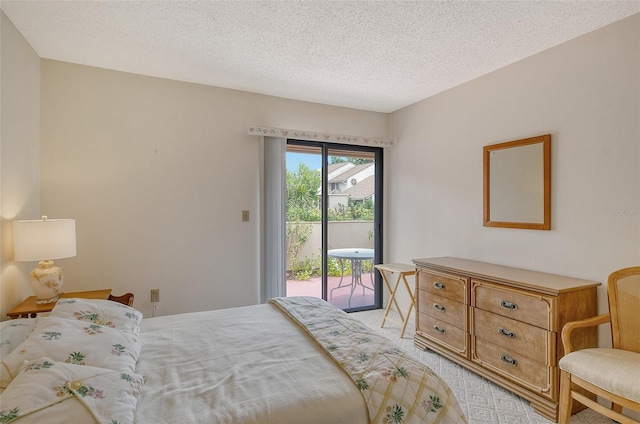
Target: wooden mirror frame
[[545, 140]]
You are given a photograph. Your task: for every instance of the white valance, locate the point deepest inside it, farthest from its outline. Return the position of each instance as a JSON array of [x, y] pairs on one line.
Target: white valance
[[316, 136]]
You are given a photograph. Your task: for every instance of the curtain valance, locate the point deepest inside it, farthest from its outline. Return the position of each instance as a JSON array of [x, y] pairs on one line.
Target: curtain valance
[[316, 136]]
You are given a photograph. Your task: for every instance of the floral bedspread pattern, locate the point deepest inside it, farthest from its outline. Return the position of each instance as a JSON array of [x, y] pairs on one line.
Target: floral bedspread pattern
[[397, 388], [47, 391], [75, 366], [100, 312], [74, 341]]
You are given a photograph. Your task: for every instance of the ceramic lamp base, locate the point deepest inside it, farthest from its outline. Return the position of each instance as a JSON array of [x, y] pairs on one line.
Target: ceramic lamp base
[[46, 282]]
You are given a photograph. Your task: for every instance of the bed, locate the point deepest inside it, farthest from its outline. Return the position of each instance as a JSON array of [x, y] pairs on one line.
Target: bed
[[292, 360]]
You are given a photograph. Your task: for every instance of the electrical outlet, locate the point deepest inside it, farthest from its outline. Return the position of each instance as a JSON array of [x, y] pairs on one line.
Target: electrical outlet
[[155, 295], [245, 216]]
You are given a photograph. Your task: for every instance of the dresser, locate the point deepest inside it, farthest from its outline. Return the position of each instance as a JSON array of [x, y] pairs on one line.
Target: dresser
[[502, 323]]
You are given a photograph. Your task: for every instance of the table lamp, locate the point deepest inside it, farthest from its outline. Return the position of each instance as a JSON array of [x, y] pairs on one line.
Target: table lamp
[[44, 240]]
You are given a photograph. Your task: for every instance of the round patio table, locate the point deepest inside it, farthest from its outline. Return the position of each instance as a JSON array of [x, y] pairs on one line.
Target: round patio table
[[356, 256]]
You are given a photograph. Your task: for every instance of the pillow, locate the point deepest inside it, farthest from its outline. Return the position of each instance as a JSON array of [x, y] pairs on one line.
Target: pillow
[[47, 391], [99, 311], [14, 332], [75, 342]]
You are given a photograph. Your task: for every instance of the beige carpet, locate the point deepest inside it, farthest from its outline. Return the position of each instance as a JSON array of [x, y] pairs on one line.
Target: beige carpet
[[482, 401]]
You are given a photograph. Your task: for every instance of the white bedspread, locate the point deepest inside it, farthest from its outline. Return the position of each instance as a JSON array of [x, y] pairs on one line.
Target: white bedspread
[[240, 365]]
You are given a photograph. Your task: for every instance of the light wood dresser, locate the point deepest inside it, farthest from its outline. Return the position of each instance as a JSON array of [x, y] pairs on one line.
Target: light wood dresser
[[502, 323]]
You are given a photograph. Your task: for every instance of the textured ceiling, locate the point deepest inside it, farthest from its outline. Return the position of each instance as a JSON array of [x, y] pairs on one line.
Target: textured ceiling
[[372, 55]]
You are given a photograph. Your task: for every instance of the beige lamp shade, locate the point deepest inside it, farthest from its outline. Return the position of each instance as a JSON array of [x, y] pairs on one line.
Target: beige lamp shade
[[44, 240]]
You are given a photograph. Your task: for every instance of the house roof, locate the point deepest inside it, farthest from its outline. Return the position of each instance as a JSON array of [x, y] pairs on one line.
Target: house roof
[[371, 55], [349, 173], [335, 166], [362, 190]]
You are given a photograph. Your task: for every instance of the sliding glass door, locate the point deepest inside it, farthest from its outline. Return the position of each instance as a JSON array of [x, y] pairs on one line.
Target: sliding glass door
[[334, 223]]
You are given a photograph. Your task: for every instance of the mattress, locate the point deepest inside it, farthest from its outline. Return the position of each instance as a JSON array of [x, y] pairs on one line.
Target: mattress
[[240, 365], [292, 360]]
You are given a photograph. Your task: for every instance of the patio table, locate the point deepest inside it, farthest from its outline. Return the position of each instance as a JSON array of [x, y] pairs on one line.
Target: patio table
[[356, 256]]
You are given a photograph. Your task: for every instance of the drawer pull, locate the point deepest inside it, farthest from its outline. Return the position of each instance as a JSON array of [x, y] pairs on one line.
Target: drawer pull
[[439, 330], [439, 308], [438, 285], [507, 333], [509, 360], [508, 305]]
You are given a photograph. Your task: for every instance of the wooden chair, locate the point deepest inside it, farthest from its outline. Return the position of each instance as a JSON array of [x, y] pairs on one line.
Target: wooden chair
[[125, 299], [611, 373]]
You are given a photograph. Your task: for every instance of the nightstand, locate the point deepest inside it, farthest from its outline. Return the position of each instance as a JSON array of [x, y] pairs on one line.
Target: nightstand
[[29, 307]]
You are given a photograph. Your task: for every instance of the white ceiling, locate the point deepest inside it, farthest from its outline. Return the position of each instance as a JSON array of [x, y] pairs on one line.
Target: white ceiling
[[372, 55]]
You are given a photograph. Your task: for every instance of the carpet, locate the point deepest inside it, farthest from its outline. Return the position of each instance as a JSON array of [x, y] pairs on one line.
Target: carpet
[[482, 401]]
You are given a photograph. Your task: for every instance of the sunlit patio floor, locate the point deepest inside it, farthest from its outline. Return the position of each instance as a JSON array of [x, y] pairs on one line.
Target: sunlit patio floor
[[340, 297]]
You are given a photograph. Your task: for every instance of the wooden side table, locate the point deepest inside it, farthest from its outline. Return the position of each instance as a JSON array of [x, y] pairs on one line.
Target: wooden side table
[[402, 271], [30, 309]]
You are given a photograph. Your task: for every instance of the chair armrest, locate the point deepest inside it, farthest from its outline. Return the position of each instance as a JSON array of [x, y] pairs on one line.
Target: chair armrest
[[570, 326]]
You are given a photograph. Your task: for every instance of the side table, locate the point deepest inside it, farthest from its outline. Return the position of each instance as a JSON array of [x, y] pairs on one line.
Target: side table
[[402, 271], [30, 309]]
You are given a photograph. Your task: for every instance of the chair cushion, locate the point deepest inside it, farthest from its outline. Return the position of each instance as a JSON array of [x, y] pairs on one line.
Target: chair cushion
[[614, 370]]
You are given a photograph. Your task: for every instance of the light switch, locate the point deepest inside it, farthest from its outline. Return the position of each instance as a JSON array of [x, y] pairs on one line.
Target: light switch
[[245, 216]]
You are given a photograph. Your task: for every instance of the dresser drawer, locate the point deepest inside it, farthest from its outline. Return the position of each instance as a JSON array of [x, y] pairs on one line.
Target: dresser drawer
[[515, 366], [533, 342], [450, 286], [443, 308], [445, 334], [531, 308], [513, 322]]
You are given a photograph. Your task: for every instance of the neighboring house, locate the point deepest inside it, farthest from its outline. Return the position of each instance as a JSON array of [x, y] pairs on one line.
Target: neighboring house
[[348, 180]]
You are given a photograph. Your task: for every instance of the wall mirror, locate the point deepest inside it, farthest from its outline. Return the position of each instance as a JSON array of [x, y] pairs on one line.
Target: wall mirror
[[517, 184]]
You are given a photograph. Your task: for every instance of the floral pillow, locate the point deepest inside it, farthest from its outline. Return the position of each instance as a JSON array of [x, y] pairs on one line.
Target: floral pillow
[[13, 333], [75, 342], [102, 312], [47, 391]]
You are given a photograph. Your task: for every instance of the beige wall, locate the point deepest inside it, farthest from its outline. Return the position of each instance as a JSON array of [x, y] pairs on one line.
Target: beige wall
[[144, 164], [156, 174], [586, 94], [19, 155], [342, 234]]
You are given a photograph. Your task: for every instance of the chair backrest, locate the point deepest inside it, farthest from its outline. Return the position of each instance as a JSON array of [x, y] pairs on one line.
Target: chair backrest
[[125, 299], [623, 290]]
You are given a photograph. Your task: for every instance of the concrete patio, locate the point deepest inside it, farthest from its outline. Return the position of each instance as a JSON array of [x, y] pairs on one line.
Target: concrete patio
[[340, 298]]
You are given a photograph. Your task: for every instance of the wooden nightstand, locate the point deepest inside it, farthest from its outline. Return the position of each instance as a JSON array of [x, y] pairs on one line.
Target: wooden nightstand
[[29, 307]]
